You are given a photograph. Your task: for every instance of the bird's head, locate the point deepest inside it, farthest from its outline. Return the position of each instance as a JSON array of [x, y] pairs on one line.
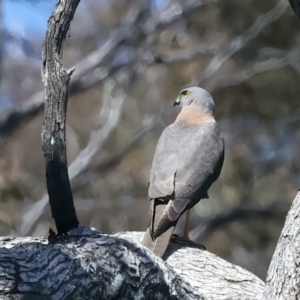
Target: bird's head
[[197, 97]]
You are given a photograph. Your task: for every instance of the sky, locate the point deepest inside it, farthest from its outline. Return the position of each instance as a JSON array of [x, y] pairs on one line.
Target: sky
[[24, 17], [20, 16]]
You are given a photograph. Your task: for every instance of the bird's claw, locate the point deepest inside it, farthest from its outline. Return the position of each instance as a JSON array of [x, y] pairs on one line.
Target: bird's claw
[[186, 240]]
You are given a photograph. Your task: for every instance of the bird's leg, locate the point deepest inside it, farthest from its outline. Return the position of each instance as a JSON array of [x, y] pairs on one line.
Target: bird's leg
[[187, 225], [185, 238]]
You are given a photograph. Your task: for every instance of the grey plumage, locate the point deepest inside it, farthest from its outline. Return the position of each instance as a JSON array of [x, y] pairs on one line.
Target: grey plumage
[[188, 159]]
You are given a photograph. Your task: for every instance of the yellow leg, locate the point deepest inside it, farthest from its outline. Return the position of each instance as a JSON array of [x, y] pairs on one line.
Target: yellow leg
[[185, 238], [187, 225]]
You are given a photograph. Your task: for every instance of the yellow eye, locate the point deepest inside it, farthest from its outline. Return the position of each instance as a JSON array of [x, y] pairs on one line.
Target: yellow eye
[[185, 93]]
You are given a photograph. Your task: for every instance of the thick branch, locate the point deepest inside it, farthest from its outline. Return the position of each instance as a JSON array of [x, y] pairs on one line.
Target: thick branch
[[283, 278], [56, 80], [112, 267]]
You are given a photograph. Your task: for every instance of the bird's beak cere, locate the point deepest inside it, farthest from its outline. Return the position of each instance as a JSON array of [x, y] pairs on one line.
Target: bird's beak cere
[[177, 101]]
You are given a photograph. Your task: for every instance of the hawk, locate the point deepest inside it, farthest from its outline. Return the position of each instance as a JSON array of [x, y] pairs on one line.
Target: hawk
[[188, 158]]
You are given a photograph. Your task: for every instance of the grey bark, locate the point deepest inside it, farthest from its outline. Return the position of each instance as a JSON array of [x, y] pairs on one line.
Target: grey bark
[[283, 278], [56, 80], [90, 265]]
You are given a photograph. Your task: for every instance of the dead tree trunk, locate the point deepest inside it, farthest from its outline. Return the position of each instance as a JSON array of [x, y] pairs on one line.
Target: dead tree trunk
[[56, 80]]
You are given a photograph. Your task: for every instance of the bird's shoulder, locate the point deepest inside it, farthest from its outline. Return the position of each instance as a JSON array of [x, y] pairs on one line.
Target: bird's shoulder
[[193, 117], [179, 134]]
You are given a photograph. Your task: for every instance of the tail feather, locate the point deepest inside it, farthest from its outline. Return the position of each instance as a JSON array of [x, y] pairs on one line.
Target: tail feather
[[162, 242], [158, 243], [165, 218]]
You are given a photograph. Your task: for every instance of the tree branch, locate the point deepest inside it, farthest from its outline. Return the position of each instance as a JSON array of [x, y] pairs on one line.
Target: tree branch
[[283, 277], [239, 42], [274, 59], [56, 80], [117, 267], [89, 174]]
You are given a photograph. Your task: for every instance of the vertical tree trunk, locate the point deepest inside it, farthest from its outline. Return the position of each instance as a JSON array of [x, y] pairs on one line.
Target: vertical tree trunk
[[283, 278], [56, 80]]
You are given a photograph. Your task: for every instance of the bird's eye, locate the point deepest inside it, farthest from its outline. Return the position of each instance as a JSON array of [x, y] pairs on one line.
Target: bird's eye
[[185, 93]]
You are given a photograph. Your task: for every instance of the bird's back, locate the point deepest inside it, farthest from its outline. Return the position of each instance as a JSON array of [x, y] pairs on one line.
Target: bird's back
[[186, 160]]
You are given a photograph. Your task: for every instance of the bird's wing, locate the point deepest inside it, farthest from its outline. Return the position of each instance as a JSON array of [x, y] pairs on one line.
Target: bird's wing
[[185, 161], [201, 160], [164, 164]]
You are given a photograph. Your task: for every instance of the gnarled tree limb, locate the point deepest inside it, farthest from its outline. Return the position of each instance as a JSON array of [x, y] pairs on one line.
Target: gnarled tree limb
[[91, 265]]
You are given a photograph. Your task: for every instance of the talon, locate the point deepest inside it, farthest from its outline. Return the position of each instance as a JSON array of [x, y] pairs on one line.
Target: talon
[[186, 240]]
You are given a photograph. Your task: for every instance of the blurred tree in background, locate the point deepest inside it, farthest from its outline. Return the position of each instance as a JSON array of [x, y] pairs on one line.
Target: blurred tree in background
[[132, 58]]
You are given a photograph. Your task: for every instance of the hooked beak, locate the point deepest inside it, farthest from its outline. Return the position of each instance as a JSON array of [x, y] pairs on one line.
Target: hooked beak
[[177, 101]]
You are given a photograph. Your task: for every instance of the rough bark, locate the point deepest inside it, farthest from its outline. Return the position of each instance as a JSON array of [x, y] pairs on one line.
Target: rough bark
[[91, 265], [56, 80], [283, 278]]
